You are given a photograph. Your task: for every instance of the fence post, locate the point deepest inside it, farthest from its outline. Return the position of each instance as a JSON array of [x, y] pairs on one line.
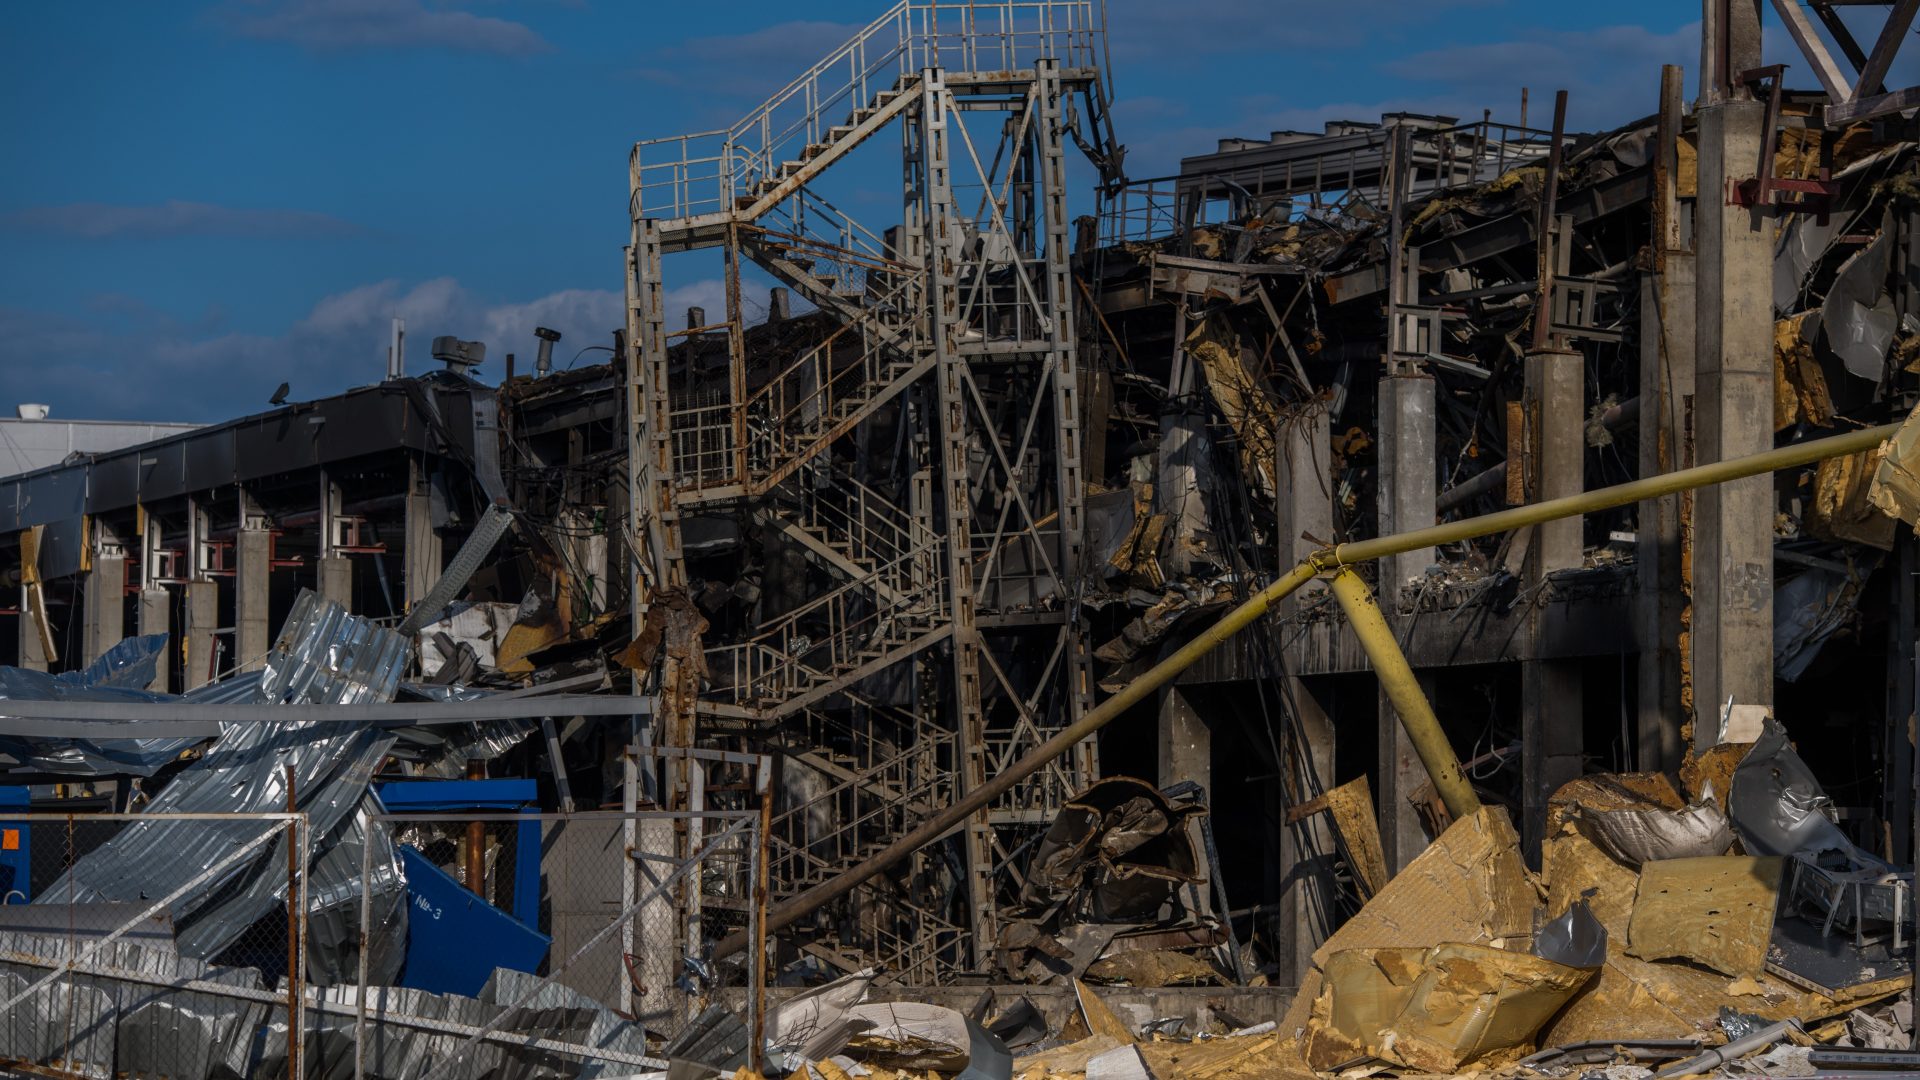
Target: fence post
[[295, 919], [366, 936], [757, 962]]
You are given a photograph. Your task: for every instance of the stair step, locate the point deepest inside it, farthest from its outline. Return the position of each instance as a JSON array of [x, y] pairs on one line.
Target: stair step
[[835, 134]]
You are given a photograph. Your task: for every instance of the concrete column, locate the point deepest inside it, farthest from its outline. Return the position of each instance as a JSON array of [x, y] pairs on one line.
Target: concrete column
[[1408, 489], [1186, 753], [1402, 835], [1550, 706], [1305, 509], [423, 551], [1307, 852], [203, 618], [253, 587], [1666, 444], [334, 576], [1185, 742], [104, 615], [156, 618], [1733, 414], [1406, 498]]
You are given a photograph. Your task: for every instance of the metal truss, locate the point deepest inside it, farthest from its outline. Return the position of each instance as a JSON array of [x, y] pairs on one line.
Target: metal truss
[[1859, 96], [922, 458]]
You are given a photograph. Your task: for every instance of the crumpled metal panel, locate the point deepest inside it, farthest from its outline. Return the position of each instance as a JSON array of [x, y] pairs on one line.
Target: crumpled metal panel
[[605, 1030], [333, 902], [120, 674], [399, 1050], [327, 656], [445, 749], [1858, 314]]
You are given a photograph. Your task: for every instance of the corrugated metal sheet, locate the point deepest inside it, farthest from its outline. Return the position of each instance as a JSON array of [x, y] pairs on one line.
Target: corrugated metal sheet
[[323, 655]]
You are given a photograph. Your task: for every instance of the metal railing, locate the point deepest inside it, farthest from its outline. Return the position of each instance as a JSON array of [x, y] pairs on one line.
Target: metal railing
[[688, 176], [1442, 160]]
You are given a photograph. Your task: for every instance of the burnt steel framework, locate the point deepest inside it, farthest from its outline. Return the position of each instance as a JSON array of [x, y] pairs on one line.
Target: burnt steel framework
[[919, 461]]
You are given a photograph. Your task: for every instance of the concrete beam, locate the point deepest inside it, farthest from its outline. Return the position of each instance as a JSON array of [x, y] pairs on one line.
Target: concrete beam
[[1733, 412], [1305, 510]]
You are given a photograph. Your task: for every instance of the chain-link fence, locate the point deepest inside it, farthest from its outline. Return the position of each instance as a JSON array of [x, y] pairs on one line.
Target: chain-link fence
[[498, 944], [152, 944], [545, 944]]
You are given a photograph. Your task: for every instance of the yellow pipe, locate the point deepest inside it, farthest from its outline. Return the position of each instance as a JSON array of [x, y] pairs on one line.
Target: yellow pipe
[[1233, 621], [1403, 690], [1806, 453]]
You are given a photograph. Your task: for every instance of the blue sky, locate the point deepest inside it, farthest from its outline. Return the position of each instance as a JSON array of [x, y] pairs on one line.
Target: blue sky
[[202, 200]]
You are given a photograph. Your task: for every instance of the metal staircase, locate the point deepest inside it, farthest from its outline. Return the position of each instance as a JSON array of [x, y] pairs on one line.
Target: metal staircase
[[954, 342]]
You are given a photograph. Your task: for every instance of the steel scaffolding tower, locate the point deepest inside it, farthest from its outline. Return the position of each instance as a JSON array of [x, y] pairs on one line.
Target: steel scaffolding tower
[[922, 458]]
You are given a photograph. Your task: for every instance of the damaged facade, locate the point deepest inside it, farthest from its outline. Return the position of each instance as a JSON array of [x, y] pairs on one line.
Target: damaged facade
[[906, 543]]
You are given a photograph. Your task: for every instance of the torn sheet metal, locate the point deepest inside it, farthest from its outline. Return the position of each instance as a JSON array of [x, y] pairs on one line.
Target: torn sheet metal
[[1576, 939], [407, 1038], [1716, 912], [1811, 608], [100, 1025], [443, 750], [987, 1057], [1858, 315], [1777, 807], [327, 656], [813, 1024], [1636, 836], [1895, 490], [1116, 852]]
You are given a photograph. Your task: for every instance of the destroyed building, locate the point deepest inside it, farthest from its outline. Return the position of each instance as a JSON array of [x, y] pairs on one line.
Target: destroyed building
[[1035, 561]]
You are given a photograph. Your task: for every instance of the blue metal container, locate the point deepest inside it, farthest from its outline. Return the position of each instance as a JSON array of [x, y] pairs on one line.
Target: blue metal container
[[454, 938]]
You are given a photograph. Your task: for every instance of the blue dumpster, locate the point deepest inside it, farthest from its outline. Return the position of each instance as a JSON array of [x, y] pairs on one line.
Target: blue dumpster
[[454, 938]]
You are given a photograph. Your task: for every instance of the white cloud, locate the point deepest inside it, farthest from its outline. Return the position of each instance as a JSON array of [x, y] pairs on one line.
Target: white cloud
[[127, 361], [334, 25]]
